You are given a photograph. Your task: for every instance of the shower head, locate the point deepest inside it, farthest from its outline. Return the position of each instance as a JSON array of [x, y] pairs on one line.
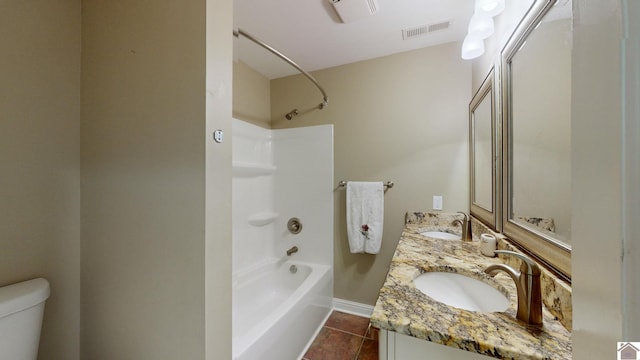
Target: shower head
[[291, 114]]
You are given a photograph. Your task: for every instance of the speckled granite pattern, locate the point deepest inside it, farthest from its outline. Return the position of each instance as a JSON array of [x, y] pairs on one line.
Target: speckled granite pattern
[[556, 293], [543, 223], [435, 221], [404, 309], [431, 219]]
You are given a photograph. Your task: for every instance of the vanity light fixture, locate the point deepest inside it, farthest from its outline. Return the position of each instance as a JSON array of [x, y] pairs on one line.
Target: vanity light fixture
[[480, 27], [472, 47], [489, 7]]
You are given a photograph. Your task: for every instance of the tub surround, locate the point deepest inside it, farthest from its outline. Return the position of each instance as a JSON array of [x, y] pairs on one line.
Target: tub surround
[[282, 280], [404, 309]]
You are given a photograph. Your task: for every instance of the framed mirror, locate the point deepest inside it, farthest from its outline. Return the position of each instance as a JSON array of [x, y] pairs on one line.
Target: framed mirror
[[482, 153], [536, 73]]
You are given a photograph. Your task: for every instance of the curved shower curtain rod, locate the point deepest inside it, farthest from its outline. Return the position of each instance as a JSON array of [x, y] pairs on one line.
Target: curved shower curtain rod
[[289, 116]]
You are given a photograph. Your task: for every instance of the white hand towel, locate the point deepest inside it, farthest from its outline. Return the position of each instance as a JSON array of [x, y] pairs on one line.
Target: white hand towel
[[365, 216]]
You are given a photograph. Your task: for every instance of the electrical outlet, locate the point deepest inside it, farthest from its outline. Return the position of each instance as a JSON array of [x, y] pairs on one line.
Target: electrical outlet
[[437, 202], [218, 136]]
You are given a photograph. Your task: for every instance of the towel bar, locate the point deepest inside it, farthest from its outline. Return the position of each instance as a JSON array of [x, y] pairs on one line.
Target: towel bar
[[343, 184]]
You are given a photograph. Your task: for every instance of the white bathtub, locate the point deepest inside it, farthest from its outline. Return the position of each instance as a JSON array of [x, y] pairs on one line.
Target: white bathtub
[[276, 312]]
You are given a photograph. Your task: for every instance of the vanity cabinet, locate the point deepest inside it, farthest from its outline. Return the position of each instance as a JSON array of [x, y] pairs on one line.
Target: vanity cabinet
[[395, 346]]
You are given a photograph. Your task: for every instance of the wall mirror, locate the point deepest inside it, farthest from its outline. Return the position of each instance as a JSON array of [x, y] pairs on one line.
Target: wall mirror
[[482, 147], [536, 73]]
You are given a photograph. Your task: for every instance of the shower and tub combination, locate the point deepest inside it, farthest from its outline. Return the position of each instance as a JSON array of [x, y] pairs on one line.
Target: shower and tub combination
[[282, 238]]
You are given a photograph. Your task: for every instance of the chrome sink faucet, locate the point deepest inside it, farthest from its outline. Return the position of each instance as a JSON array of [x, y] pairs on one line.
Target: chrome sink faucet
[[465, 225], [527, 285]]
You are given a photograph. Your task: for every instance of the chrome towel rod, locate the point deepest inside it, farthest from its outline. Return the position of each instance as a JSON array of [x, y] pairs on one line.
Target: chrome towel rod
[[325, 98], [343, 184]]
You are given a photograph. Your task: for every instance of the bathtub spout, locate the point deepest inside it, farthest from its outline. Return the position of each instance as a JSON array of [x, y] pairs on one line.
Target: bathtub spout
[[291, 251]]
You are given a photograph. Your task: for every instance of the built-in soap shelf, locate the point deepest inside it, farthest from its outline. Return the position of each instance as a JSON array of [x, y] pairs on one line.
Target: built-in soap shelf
[[262, 218], [246, 169]]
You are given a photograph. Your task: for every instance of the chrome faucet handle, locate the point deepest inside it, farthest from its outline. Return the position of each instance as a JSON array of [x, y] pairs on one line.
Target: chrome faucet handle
[[529, 266]]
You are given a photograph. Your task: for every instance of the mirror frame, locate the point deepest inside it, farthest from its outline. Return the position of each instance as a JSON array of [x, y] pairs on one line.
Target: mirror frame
[[488, 216], [551, 251]]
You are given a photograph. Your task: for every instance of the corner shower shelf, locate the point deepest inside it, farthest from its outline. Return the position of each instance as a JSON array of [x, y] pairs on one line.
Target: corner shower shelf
[[262, 218], [245, 169]]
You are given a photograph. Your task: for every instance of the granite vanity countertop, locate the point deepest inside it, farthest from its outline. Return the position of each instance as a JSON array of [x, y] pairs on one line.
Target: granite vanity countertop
[[404, 309]]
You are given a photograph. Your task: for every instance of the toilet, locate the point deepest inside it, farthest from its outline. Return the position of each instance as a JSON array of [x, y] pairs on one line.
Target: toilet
[[21, 310]]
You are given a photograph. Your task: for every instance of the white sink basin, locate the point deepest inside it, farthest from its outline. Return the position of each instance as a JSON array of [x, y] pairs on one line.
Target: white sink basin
[[461, 291], [441, 235]]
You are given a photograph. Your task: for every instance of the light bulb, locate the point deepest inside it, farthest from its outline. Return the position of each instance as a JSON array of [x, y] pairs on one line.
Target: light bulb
[[472, 47], [490, 7], [481, 26]]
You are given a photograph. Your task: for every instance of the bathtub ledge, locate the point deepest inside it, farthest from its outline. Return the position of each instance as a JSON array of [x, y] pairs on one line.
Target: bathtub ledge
[[262, 218]]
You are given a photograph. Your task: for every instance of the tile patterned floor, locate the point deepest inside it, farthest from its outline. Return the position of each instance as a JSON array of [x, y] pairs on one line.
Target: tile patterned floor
[[344, 337]]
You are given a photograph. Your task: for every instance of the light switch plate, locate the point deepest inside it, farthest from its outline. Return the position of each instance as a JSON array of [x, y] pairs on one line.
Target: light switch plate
[[437, 202]]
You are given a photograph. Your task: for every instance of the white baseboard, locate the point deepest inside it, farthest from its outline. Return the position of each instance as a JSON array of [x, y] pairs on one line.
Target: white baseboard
[[351, 307]]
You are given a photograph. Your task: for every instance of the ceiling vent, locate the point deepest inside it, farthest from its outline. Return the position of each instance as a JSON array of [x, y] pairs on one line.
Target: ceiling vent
[[352, 10], [425, 30]]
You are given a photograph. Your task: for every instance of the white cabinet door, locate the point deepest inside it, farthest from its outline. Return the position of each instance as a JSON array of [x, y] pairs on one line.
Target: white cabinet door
[[394, 346]]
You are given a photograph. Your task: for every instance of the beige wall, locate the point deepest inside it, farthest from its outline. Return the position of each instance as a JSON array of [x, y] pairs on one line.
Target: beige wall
[[251, 95], [401, 118], [596, 175], [145, 239], [217, 215], [39, 160], [631, 194]]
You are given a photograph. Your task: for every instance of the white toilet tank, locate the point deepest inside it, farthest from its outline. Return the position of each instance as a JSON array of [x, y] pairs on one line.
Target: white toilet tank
[[21, 310]]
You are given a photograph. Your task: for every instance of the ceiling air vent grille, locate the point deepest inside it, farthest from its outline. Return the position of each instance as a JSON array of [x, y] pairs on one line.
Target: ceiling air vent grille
[[424, 30], [373, 6]]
